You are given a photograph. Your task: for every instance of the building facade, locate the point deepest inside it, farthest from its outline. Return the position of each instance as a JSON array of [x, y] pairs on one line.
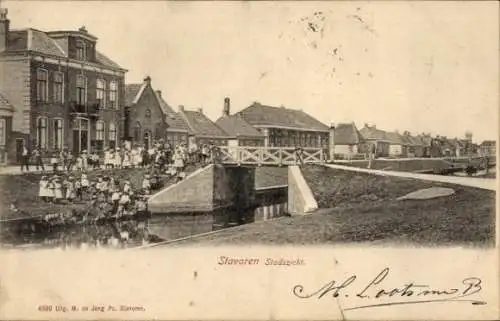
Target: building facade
[[144, 121], [6, 113], [64, 92], [284, 127], [243, 134], [488, 148], [202, 130], [348, 141], [177, 129], [376, 140]]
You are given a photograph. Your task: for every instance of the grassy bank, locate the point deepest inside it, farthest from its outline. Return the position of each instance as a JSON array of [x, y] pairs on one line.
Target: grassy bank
[[404, 165], [360, 207]]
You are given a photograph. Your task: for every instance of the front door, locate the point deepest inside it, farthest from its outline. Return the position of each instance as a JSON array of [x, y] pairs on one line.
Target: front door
[[19, 149]]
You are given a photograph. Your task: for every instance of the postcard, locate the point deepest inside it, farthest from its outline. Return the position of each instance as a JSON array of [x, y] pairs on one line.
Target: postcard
[[226, 160]]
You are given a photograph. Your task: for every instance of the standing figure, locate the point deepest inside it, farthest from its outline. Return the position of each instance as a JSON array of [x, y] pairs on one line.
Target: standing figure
[[25, 158], [58, 195], [37, 155], [44, 192], [117, 159], [126, 159], [178, 161], [70, 189]]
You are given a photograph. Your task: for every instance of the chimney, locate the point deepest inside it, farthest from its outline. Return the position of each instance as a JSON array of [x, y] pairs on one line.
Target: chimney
[[83, 29], [227, 107], [4, 29], [181, 108], [200, 110], [147, 80], [158, 92]]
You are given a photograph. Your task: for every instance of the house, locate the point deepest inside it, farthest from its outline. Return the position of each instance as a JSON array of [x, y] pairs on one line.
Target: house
[[202, 130], [144, 121], [348, 140], [376, 140], [242, 132], [426, 141], [65, 92], [488, 147], [415, 145], [284, 127], [6, 113], [398, 144], [177, 128]]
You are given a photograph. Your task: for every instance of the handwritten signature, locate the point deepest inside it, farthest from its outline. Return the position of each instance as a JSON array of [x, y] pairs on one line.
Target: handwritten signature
[[411, 293]]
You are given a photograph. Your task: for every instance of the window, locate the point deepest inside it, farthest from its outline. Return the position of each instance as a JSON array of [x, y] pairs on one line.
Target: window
[[58, 94], [112, 132], [99, 130], [2, 132], [137, 132], [41, 132], [57, 133], [81, 90], [113, 94], [148, 113], [42, 83], [80, 50], [100, 93]]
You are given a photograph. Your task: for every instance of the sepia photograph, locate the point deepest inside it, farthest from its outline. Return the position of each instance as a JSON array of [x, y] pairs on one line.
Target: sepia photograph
[[140, 126]]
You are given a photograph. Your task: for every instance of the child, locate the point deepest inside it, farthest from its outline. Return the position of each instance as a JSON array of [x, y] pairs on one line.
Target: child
[[105, 186], [118, 159], [78, 189], [54, 161], [70, 189], [126, 159], [146, 184], [85, 160], [126, 187], [108, 159], [115, 198], [79, 163], [51, 190], [58, 196], [44, 192], [141, 207], [84, 183]]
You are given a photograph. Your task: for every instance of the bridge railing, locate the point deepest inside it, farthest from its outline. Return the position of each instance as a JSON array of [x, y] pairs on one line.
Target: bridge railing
[[270, 155]]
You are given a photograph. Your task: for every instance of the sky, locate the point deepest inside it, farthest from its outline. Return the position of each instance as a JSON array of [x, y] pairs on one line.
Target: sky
[[417, 66]]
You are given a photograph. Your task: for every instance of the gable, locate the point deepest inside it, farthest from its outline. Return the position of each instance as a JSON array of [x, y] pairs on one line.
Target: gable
[[147, 102]]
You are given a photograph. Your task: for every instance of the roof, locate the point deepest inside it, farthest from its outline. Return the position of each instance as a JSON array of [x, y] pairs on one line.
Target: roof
[[41, 42], [488, 143], [234, 125], [347, 134], [5, 105], [201, 125], [372, 133], [174, 120], [396, 138], [132, 93], [269, 116]]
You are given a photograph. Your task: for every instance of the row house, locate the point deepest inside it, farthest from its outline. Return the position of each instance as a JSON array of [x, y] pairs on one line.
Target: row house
[[243, 134], [376, 140], [202, 130], [145, 121], [65, 93], [177, 129], [488, 148], [349, 141], [284, 127]]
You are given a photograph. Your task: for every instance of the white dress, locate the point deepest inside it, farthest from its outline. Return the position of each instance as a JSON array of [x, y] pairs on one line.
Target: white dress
[[118, 159], [44, 189], [126, 160]]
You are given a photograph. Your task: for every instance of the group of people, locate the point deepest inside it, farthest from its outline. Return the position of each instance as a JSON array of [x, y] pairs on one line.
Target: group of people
[[160, 155]]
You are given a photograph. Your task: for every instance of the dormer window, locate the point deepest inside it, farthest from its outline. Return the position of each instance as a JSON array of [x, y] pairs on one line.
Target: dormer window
[[80, 50]]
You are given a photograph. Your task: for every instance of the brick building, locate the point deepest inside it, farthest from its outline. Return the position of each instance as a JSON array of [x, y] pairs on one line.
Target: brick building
[[243, 134], [177, 129], [64, 92], [283, 127], [6, 113], [144, 118]]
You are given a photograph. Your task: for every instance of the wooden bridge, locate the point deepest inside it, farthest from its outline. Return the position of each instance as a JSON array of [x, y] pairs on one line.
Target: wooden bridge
[[280, 156]]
